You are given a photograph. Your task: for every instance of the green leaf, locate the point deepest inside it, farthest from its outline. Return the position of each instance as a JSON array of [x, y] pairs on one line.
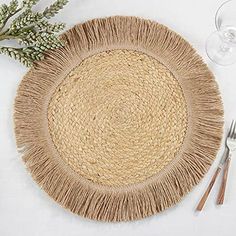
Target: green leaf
[[4, 13], [26, 19], [46, 26], [3, 10], [13, 6], [54, 8], [56, 27], [35, 55], [29, 3], [42, 25], [28, 38], [17, 54]]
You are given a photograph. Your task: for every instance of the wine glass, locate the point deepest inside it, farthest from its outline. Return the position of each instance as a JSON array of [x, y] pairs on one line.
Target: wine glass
[[221, 45]]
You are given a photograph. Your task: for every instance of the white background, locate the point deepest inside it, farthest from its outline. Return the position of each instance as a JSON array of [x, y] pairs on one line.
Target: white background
[[25, 210]]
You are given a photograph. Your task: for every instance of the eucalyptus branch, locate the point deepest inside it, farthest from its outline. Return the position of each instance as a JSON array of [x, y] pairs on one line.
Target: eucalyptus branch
[[30, 29]]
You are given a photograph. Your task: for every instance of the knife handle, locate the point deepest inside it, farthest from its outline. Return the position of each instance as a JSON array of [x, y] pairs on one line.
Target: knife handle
[[221, 195], [208, 190]]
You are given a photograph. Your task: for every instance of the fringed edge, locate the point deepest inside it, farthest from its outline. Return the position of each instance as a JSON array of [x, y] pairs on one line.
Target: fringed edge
[[134, 202]]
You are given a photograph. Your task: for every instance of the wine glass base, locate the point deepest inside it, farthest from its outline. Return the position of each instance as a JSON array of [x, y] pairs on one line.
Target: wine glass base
[[220, 52]]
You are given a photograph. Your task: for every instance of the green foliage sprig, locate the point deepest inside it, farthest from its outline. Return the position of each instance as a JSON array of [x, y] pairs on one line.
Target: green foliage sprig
[[32, 30]]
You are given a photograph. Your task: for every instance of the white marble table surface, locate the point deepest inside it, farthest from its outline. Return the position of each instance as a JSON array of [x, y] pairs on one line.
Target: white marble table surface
[[25, 210]]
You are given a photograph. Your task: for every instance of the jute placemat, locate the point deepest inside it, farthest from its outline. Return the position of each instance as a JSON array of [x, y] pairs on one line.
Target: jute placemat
[[120, 123]]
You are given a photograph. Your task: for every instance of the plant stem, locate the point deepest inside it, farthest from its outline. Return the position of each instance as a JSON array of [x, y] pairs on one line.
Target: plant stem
[[7, 37]]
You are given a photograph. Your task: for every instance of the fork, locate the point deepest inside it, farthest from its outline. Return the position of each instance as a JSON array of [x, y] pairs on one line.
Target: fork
[[224, 163]]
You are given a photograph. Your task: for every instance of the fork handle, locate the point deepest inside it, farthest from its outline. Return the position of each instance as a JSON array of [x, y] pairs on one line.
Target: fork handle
[[208, 190], [221, 195]]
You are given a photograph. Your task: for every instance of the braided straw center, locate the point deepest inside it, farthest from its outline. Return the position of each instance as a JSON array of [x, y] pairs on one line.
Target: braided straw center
[[119, 118]]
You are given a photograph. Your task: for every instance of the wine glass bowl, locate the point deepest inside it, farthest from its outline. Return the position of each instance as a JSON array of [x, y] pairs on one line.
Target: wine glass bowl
[[221, 45]]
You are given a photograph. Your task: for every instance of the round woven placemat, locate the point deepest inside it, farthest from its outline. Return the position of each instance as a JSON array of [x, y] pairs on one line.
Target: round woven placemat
[[120, 123]]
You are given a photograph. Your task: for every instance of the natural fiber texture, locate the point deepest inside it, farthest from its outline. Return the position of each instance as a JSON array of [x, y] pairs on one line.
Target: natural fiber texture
[[122, 122], [114, 117]]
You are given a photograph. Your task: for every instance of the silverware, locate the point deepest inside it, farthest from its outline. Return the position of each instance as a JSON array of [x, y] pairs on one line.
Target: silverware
[[230, 147]]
